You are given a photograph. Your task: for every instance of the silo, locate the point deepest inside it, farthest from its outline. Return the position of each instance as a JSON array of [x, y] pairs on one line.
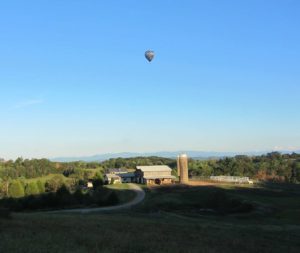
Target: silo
[[178, 167], [182, 160]]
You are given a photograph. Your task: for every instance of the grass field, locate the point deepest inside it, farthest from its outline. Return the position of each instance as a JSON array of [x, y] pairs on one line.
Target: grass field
[[272, 226], [123, 192]]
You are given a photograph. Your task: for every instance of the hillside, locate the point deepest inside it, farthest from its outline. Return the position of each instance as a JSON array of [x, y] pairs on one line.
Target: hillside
[[273, 225]]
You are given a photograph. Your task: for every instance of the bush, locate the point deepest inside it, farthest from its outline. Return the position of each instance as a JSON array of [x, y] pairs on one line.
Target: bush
[[31, 202], [16, 190], [12, 204], [31, 189], [79, 196], [82, 183], [63, 191], [54, 184], [97, 183], [64, 197], [41, 186], [49, 200]]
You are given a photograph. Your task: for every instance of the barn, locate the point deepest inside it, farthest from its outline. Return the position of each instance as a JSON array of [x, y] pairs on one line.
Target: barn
[[157, 174]]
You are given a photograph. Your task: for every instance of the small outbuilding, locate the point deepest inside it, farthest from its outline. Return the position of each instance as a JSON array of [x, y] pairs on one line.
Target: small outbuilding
[[90, 184], [128, 177], [157, 174], [112, 178]]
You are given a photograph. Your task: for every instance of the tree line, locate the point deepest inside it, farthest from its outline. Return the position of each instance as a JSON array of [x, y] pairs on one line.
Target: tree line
[[131, 163], [61, 197], [271, 167], [40, 167], [55, 191]]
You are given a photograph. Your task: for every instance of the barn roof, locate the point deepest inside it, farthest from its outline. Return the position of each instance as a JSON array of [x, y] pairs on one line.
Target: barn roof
[[160, 177], [154, 168]]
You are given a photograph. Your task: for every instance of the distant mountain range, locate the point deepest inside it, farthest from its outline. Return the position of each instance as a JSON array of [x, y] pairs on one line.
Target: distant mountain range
[[167, 154]]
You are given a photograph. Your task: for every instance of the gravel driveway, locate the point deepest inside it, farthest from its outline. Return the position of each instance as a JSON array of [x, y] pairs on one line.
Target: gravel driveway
[[140, 195]]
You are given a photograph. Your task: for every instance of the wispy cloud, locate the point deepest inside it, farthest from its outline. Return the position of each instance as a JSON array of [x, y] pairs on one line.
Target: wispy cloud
[[29, 102]]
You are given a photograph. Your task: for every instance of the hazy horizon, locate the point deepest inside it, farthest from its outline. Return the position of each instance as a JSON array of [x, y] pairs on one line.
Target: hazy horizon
[[74, 80], [161, 153]]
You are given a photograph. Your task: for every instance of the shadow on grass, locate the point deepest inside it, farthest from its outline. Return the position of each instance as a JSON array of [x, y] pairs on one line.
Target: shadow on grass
[[63, 199], [221, 200]]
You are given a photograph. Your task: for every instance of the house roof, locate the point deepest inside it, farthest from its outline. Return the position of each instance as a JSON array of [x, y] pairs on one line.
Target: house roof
[[112, 175], [128, 174], [116, 170], [160, 177], [154, 168]]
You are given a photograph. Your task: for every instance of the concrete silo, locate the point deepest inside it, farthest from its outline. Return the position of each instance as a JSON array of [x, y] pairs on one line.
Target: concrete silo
[[178, 167], [182, 168]]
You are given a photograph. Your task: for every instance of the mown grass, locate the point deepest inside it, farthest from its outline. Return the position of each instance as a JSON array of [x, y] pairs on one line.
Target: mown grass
[[189, 200], [140, 233], [148, 229], [123, 192]]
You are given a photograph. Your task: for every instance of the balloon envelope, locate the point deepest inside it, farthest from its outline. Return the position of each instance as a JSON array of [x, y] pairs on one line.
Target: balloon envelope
[[149, 54]]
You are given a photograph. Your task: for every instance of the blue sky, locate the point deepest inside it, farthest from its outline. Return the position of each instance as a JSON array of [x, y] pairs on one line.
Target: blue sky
[[74, 80]]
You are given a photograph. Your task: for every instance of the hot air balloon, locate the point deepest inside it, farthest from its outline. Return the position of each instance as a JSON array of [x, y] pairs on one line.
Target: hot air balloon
[[149, 54]]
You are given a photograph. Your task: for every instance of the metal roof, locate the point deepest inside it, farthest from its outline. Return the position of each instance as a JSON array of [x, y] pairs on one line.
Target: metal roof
[[128, 174], [116, 170], [160, 177], [112, 175], [154, 168]]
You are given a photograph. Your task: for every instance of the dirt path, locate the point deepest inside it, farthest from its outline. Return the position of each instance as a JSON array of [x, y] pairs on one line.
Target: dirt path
[[140, 195]]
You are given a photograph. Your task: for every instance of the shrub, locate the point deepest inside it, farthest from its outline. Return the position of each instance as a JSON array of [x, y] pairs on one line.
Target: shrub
[[98, 182], [31, 202], [49, 200], [62, 191], [79, 196], [41, 186], [82, 183], [16, 190], [64, 197], [54, 184], [31, 189]]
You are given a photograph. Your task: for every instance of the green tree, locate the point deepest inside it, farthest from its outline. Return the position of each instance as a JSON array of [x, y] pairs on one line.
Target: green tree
[[31, 189], [16, 190], [54, 184], [41, 186], [295, 172], [98, 182], [2, 188]]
